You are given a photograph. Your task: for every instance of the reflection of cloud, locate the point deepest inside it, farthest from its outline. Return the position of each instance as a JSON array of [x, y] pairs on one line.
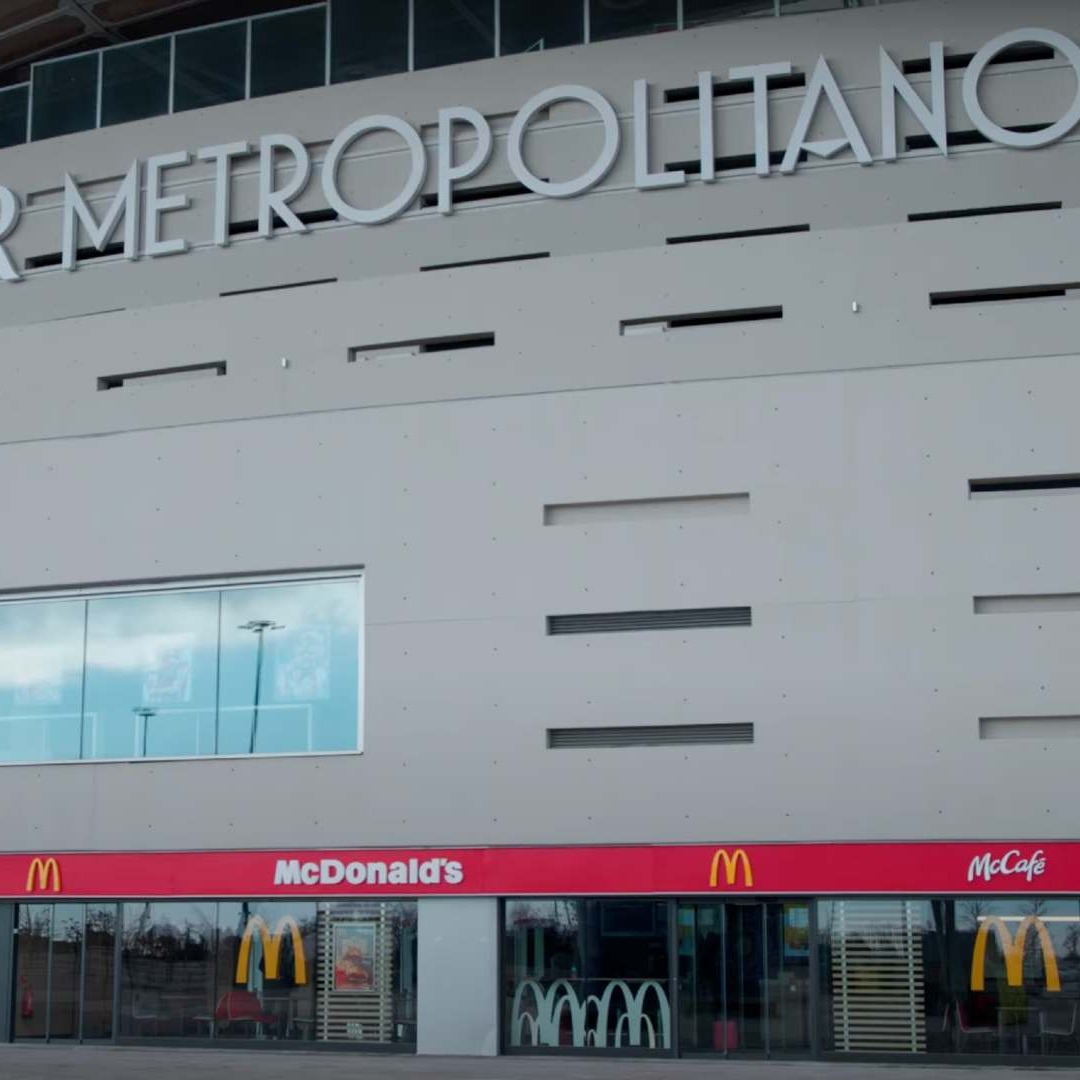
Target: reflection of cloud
[[43, 642]]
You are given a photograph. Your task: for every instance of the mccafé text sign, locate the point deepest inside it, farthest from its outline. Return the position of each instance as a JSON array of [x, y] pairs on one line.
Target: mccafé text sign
[[844, 869], [141, 204]]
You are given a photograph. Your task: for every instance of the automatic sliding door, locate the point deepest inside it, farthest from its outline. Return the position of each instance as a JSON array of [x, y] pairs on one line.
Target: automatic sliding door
[[744, 978]]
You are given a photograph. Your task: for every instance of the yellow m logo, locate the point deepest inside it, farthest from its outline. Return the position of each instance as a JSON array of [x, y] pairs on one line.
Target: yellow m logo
[[44, 870], [731, 867], [271, 946], [1013, 951]]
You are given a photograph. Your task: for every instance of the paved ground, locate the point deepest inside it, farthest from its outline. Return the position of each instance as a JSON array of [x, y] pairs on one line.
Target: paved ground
[[127, 1063]]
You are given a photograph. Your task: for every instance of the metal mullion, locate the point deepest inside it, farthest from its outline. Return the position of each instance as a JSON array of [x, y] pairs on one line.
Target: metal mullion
[[29, 106], [247, 61], [412, 35], [765, 974], [673, 972], [586, 22], [48, 974], [329, 39], [723, 972], [172, 73], [679, 21], [497, 5], [100, 81], [814, 1003], [776, 7], [82, 972], [118, 959]]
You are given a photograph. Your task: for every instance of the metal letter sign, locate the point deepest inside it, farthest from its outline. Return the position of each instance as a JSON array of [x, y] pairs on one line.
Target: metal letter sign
[[149, 202]]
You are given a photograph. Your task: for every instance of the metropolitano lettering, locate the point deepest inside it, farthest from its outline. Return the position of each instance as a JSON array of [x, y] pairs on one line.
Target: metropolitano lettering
[[435, 871], [140, 198]]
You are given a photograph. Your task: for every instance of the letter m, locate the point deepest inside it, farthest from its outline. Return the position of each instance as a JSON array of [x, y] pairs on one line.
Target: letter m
[[1012, 950], [125, 202], [287, 872], [43, 870], [980, 867], [731, 865]]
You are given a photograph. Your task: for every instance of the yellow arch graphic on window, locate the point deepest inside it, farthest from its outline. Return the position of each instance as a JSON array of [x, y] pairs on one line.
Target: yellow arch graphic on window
[[271, 945], [1013, 950]]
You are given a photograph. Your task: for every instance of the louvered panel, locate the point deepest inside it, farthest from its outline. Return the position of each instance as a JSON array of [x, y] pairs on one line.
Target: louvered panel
[[675, 619], [648, 735], [877, 975], [355, 1015]]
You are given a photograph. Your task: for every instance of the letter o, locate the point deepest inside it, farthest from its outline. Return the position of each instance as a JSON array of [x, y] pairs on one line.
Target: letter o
[[355, 873], [1023, 140], [345, 138], [592, 176]]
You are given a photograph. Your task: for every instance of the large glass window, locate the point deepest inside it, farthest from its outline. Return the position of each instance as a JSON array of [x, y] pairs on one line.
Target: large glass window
[[525, 26], [14, 103], [288, 52], [186, 673], [304, 971], [975, 976], [617, 18], [65, 96], [705, 12], [453, 31], [587, 973], [211, 66], [368, 39], [167, 969], [135, 81]]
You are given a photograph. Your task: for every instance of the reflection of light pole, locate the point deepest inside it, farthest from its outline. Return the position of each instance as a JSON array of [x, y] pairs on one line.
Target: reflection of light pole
[[145, 713], [259, 628]]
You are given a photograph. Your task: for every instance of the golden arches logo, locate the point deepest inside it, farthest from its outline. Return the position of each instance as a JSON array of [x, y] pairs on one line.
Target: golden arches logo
[[44, 870], [731, 868], [271, 946], [1013, 951]]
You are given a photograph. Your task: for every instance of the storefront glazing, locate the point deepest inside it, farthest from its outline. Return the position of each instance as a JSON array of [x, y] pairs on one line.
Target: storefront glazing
[[309, 972], [986, 976]]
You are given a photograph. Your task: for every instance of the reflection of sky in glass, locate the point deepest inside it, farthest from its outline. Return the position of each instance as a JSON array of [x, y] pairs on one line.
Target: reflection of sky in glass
[[178, 674], [41, 649], [151, 675], [308, 682]]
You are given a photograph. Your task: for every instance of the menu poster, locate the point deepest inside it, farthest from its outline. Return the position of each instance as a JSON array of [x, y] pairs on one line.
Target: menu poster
[[354, 956]]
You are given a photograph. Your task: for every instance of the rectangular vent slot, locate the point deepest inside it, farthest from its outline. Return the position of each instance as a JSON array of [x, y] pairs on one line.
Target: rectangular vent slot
[[449, 343], [731, 163], [985, 211], [309, 217], [1029, 727], [738, 234], [1015, 54], [659, 324], [733, 87], [676, 619], [589, 738], [278, 288], [1019, 485], [678, 507], [964, 138], [83, 254], [1027, 604], [487, 262], [480, 194], [161, 375], [994, 296]]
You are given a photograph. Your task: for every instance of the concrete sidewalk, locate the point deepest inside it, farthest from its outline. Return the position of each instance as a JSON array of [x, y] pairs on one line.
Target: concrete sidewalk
[[23, 1062]]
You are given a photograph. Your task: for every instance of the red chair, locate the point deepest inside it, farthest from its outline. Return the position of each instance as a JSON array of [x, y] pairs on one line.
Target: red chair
[[240, 1006]]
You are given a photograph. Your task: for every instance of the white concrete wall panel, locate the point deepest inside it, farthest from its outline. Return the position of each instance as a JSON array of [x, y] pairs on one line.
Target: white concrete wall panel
[[855, 433]]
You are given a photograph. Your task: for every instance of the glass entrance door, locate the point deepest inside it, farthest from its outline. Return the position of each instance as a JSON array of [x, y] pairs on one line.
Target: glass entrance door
[[744, 977]]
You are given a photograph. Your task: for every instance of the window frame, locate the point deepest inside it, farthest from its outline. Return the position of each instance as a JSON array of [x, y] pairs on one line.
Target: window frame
[[222, 583]]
